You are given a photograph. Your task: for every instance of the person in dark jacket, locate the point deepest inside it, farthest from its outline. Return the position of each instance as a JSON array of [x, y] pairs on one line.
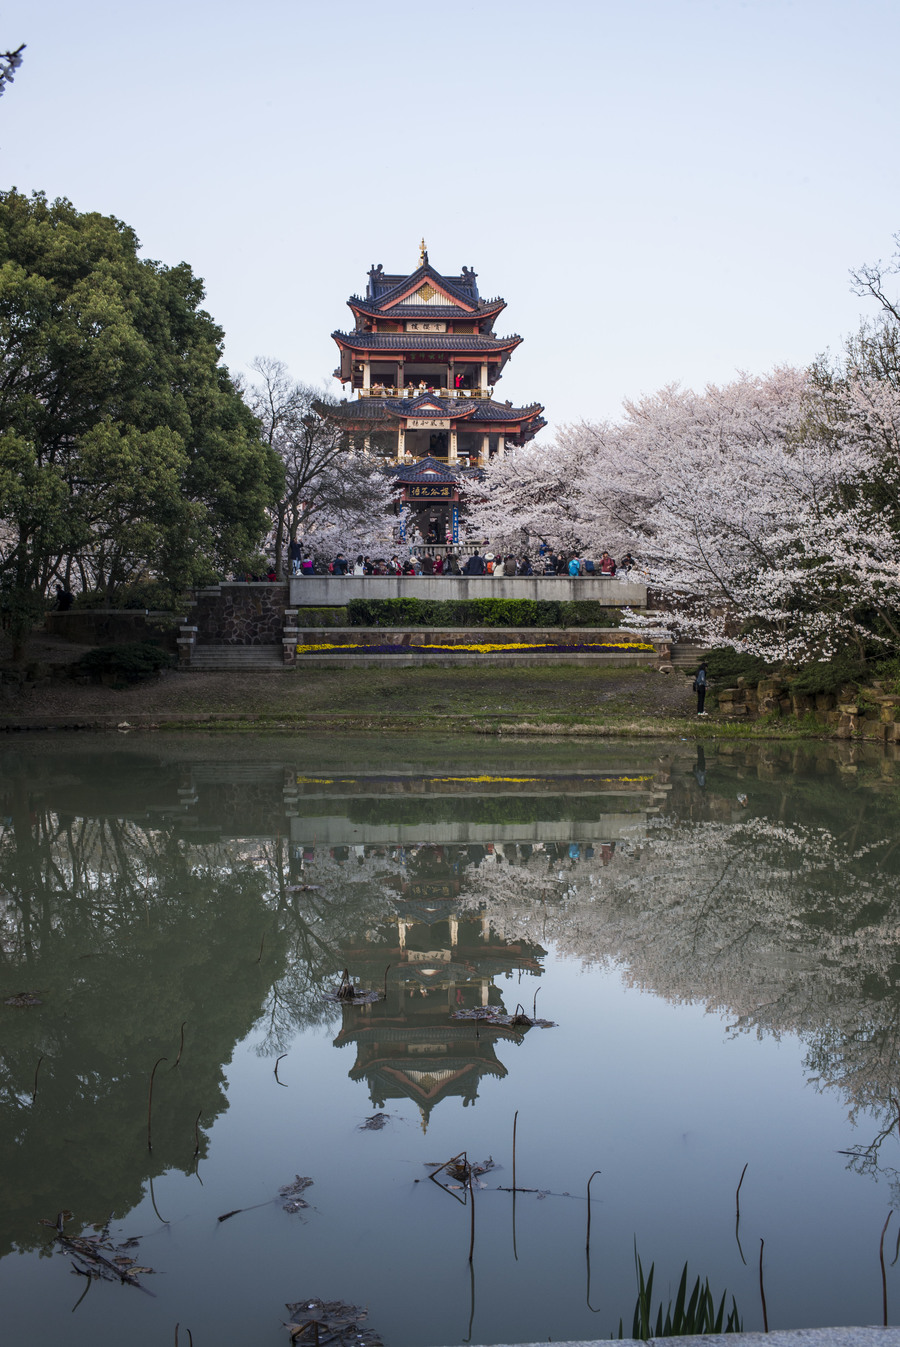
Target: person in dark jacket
[[339, 565], [700, 685], [475, 565]]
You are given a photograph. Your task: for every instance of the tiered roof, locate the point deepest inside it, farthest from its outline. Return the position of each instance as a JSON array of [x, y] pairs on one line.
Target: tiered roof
[[430, 470], [484, 414], [395, 321]]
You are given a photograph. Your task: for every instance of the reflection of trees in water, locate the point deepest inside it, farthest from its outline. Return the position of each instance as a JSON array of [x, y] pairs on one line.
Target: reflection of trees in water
[[348, 894], [126, 932], [781, 926]]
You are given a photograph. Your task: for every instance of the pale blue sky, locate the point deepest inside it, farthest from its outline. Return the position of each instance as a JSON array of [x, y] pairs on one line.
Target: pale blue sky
[[662, 190]]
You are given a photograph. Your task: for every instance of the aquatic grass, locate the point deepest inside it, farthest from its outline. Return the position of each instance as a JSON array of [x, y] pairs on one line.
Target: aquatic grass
[[690, 1315]]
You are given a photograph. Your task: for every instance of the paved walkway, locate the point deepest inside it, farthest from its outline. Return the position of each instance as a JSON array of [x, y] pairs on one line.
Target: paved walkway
[[799, 1337]]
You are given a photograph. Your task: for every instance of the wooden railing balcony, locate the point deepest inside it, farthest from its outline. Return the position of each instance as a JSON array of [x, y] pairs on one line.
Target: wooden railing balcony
[[385, 391]]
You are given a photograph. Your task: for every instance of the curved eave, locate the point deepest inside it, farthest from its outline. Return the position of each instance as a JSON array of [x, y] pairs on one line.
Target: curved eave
[[456, 412], [518, 423], [402, 342], [366, 308]]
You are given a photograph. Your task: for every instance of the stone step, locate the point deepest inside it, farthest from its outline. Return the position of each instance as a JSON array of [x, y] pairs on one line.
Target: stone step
[[237, 657], [686, 656]]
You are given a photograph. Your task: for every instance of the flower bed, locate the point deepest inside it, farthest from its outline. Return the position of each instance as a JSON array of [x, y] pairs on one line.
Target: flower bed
[[483, 648]]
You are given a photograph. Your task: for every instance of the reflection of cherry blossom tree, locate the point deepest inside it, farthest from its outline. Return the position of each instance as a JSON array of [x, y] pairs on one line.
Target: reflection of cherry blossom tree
[[783, 928]]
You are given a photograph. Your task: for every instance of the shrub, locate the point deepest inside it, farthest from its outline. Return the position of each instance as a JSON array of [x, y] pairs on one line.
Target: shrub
[[888, 670], [588, 613], [324, 617], [152, 594], [480, 613], [727, 665], [828, 675], [132, 662]]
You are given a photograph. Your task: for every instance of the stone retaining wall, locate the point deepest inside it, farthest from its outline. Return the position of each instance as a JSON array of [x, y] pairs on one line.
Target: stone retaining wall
[[240, 614], [867, 713]]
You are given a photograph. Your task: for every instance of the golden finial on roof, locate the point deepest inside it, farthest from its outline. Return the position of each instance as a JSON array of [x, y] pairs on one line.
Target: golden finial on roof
[[423, 253]]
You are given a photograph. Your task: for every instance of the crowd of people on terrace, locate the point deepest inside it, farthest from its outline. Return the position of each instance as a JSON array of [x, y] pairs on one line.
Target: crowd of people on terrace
[[479, 563]]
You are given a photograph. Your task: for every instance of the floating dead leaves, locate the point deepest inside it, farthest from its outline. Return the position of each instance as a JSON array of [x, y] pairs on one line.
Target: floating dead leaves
[[290, 1197], [494, 1015], [24, 999], [458, 1171], [330, 1322], [97, 1256], [375, 1123], [347, 994]]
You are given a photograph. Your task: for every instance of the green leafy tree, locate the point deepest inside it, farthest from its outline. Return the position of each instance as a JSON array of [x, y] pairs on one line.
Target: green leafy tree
[[125, 448]]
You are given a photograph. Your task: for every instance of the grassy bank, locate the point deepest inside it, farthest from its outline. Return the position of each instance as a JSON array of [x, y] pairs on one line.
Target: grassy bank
[[547, 700]]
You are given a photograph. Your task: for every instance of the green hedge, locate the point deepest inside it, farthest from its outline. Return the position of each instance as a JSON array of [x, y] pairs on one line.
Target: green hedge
[[323, 617], [478, 613], [131, 662]]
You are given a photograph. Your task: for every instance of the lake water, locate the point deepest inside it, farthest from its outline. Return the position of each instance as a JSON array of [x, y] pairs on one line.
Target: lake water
[[715, 934]]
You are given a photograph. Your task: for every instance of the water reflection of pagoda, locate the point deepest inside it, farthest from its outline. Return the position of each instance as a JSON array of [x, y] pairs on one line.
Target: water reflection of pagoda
[[441, 960]]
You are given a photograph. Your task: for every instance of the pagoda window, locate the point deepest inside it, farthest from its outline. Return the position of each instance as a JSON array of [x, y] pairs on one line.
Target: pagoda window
[[468, 444]]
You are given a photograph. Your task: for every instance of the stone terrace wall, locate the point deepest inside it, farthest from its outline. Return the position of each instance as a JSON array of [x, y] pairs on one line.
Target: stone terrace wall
[[240, 614], [321, 590]]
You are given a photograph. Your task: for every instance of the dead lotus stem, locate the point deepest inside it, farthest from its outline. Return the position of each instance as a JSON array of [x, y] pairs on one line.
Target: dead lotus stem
[[881, 1259], [472, 1198], [386, 971], [280, 1059], [737, 1195], [587, 1240], [180, 1045], [36, 1070], [762, 1291], [261, 946], [150, 1102], [534, 1004], [515, 1124], [197, 1132], [153, 1203]]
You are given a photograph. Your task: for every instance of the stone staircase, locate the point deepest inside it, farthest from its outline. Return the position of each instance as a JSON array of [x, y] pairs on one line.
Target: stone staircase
[[206, 658], [687, 656]]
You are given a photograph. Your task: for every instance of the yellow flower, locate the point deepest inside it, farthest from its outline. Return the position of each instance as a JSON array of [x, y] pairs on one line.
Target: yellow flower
[[486, 648]]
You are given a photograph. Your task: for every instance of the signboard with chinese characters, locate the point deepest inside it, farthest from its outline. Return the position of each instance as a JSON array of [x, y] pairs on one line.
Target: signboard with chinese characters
[[426, 327], [427, 423], [435, 492]]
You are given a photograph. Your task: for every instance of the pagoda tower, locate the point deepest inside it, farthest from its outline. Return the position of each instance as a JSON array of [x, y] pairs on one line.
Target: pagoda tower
[[424, 359]]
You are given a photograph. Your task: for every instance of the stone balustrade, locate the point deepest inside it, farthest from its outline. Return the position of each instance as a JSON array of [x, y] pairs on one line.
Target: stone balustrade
[[324, 590]]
